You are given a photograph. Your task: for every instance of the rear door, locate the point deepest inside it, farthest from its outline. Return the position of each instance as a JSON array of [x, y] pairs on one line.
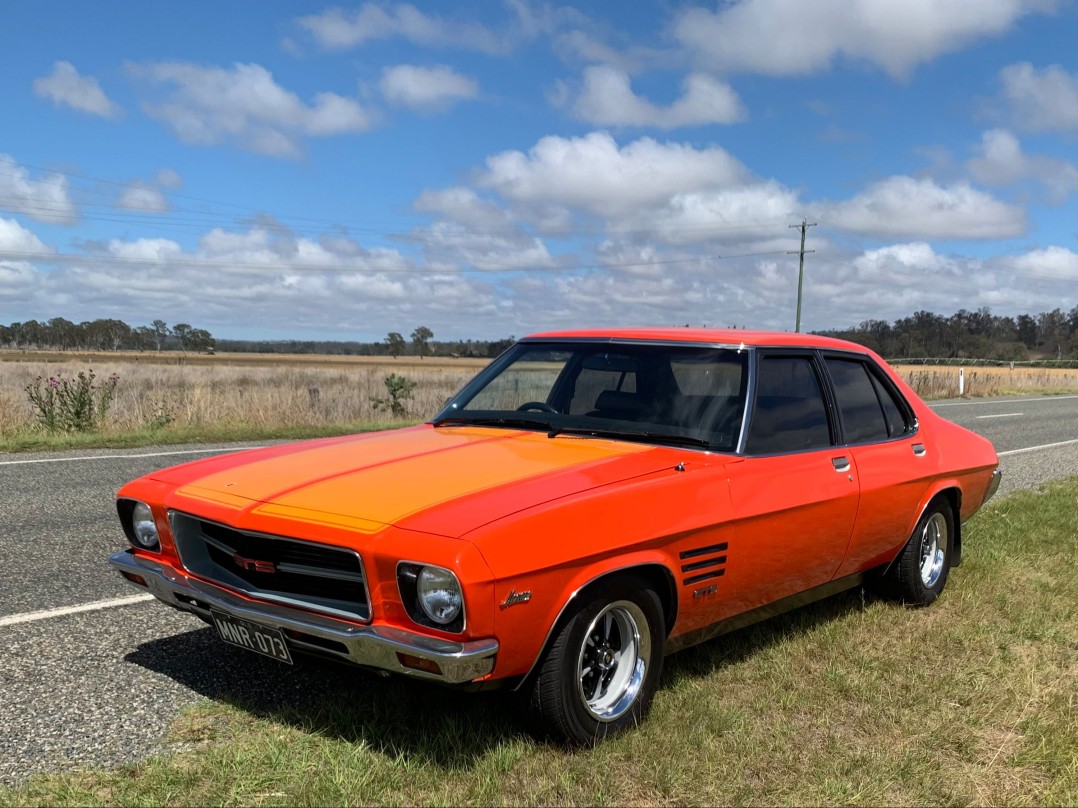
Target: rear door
[[880, 434], [795, 493]]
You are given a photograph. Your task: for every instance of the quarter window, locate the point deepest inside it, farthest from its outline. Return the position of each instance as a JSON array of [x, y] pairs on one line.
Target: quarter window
[[790, 414]]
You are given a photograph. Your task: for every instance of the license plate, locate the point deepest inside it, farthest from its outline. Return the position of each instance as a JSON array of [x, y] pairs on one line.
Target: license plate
[[252, 636]]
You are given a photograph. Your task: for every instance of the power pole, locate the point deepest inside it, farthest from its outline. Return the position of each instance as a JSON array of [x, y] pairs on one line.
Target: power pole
[[801, 268]]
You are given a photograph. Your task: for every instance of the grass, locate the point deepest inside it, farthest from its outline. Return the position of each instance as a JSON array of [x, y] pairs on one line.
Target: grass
[[849, 701]]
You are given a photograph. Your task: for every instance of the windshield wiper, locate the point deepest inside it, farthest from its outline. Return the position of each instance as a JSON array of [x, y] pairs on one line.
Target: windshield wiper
[[642, 437], [514, 423]]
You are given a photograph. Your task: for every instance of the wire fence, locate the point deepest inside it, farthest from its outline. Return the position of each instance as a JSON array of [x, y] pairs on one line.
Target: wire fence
[[1067, 364]]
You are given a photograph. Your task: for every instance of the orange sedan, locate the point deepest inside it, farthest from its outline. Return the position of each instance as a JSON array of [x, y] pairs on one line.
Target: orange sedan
[[591, 501]]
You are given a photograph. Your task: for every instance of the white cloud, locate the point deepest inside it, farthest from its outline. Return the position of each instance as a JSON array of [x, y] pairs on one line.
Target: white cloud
[[246, 106], [1001, 161], [919, 208], [608, 100], [167, 178], [337, 28], [793, 37], [46, 200], [65, 87], [744, 212], [14, 238], [141, 197], [426, 88], [1041, 100], [1050, 262], [593, 174]]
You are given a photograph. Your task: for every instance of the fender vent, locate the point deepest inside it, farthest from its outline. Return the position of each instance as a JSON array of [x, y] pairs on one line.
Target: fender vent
[[706, 568]]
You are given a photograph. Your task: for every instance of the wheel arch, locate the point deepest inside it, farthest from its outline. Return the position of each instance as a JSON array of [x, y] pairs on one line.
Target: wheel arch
[[951, 492], [657, 574]]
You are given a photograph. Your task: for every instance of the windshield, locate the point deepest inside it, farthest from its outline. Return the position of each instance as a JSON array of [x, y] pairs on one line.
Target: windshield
[[675, 394]]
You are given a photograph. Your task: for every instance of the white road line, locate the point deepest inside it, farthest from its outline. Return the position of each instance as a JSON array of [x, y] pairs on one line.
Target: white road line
[[97, 605], [1036, 448], [124, 456], [1001, 415], [993, 401]]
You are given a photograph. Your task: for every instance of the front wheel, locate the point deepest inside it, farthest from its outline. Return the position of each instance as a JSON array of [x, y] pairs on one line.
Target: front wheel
[[601, 671], [920, 571]]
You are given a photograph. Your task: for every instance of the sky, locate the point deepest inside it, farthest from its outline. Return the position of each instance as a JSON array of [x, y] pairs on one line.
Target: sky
[[300, 170]]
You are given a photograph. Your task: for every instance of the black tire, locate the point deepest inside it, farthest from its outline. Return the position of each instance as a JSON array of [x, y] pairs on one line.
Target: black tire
[[920, 572], [600, 672]]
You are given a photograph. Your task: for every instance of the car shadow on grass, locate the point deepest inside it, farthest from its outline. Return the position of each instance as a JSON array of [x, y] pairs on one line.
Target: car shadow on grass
[[401, 718], [412, 719]]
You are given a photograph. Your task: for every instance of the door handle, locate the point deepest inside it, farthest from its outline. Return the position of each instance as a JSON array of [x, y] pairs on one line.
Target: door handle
[[840, 463], [919, 449]]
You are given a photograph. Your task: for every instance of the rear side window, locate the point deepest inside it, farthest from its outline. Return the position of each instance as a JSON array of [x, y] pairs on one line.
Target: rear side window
[[790, 413], [869, 409], [858, 401]]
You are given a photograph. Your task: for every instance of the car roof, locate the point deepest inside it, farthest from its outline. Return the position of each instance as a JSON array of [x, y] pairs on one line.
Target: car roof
[[710, 336]]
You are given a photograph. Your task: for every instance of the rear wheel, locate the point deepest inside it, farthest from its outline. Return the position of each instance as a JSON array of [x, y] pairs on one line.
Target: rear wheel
[[920, 572], [601, 671]]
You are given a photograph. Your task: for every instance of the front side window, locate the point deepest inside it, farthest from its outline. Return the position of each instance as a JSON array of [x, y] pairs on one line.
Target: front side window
[[790, 413], [676, 394]]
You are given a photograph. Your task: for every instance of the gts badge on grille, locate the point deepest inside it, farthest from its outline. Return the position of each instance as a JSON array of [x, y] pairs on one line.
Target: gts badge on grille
[[253, 565]]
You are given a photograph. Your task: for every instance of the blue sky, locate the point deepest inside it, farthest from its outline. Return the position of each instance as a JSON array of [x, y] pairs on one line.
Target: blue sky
[[298, 170]]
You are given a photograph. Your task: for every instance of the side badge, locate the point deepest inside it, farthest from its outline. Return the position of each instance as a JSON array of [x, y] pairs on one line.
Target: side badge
[[514, 597]]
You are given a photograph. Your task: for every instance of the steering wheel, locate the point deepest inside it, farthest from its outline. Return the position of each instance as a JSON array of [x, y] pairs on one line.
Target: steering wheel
[[536, 405]]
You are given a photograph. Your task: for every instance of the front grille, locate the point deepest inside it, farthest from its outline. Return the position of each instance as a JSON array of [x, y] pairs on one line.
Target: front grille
[[292, 571]]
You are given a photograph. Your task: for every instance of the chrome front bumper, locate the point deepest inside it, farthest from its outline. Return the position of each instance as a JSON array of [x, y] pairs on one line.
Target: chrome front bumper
[[369, 646]]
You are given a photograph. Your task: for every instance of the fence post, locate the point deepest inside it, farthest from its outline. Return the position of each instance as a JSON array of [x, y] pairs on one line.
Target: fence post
[[961, 382]]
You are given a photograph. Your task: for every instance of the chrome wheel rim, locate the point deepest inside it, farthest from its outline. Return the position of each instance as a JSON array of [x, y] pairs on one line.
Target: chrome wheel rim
[[933, 549], [613, 660]]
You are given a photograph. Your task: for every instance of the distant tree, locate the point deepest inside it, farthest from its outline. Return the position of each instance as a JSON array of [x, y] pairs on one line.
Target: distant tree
[[1027, 330], [421, 338], [161, 333], [396, 344], [61, 333], [1053, 331], [182, 332], [199, 339], [144, 337]]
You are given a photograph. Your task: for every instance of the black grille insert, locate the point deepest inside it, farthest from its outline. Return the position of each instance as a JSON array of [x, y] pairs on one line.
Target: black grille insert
[[292, 571]]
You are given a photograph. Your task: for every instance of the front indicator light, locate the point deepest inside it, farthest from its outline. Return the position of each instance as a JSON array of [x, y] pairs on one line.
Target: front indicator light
[[418, 663]]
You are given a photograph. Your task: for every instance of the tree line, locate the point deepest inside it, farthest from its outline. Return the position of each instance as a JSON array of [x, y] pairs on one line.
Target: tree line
[[970, 334], [965, 334], [104, 335]]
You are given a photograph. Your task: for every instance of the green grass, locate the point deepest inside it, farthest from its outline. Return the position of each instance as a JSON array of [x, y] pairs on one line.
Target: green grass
[[849, 701], [36, 440]]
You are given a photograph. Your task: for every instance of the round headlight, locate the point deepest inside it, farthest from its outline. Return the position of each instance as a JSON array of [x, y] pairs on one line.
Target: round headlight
[[143, 526], [439, 594]]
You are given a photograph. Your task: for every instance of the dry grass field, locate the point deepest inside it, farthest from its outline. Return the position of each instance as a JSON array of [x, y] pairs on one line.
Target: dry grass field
[[237, 391], [240, 395], [932, 382]]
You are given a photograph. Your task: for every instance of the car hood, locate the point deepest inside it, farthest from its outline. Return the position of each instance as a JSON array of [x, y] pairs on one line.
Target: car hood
[[448, 480]]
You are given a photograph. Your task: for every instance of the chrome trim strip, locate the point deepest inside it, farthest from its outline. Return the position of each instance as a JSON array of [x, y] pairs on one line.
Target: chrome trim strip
[[367, 645]]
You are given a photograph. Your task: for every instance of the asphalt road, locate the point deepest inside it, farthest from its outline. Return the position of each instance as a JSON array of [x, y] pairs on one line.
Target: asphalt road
[[101, 687]]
